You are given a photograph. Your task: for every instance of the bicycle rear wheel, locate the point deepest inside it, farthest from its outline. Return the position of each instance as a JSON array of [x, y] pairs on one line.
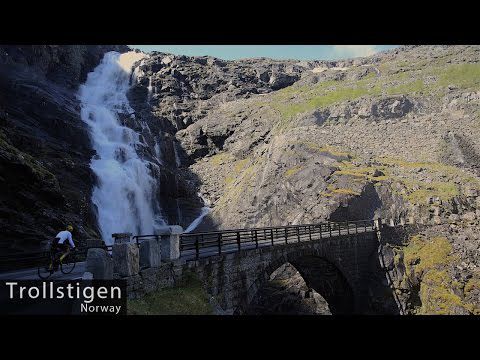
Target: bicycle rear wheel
[[46, 270], [68, 264]]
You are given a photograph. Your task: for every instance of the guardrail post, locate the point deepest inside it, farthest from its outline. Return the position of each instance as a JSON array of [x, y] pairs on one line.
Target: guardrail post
[[256, 239], [310, 232], [99, 264], [286, 236], [125, 255], [330, 228], [238, 241], [197, 248], [219, 243], [271, 235], [298, 234], [170, 241], [150, 252], [339, 229], [348, 228], [320, 229]]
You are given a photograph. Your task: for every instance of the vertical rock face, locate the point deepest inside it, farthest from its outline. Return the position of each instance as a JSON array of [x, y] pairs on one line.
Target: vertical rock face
[[45, 150], [170, 93], [433, 269]]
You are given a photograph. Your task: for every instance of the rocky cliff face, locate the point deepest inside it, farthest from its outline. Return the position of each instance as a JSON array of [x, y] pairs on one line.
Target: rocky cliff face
[[264, 142], [171, 93], [392, 135], [45, 151]]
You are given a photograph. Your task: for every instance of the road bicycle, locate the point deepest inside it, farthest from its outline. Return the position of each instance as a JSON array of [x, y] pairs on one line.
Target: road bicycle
[[52, 264]]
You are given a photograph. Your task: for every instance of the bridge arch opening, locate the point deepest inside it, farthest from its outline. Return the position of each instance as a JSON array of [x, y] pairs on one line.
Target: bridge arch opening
[[286, 292], [308, 284]]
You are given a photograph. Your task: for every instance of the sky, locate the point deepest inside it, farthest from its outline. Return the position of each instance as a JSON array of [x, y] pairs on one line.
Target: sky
[[301, 52]]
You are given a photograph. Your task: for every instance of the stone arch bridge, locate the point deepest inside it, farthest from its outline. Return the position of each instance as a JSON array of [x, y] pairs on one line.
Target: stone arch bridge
[[339, 260]]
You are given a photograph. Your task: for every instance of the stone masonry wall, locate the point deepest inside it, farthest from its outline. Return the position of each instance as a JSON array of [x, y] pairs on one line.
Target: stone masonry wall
[[234, 279]]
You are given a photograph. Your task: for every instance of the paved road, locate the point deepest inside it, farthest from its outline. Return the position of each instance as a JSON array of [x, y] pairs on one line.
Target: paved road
[[31, 274]]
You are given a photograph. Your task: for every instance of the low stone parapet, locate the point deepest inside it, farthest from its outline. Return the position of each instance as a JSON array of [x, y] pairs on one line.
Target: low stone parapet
[[99, 263], [126, 259], [170, 242], [150, 253]]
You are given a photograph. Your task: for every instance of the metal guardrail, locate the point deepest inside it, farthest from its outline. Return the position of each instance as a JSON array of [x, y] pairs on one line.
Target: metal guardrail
[[197, 245], [138, 238], [204, 244], [27, 260]]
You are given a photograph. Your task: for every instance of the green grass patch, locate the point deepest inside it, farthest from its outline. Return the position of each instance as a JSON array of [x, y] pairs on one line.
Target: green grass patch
[[426, 253], [345, 191], [443, 190], [418, 191], [342, 191], [221, 158], [428, 259], [437, 295], [332, 150], [362, 172], [188, 298], [461, 75], [316, 99], [416, 86], [237, 184], [293, 171], [424, 76], [240, 165]]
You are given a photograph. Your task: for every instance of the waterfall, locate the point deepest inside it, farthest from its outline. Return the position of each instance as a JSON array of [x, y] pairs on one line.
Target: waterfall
[[125, 193], [149, 89], [203, 212], [178, 163]]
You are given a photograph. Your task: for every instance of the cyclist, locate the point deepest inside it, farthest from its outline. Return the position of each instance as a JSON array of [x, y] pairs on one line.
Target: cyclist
[[60, 247]]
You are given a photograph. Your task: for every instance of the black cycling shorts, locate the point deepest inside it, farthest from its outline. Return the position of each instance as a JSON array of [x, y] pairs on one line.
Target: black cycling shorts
[[59, 247]]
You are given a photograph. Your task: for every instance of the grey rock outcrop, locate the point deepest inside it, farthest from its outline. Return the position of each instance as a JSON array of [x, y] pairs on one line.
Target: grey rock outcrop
[[45, 149]]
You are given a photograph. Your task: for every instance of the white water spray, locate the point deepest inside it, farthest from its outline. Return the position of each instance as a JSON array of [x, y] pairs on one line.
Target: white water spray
[[203, 212], [125, 194], [178, 163], [149, 97]]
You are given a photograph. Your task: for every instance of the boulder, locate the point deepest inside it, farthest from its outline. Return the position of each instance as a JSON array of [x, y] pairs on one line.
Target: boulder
[[469, 216]]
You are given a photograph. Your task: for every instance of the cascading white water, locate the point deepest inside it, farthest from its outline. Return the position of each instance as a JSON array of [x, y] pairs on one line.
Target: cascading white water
[[203, 212], [125, 193], [177, 157], [149, 89]]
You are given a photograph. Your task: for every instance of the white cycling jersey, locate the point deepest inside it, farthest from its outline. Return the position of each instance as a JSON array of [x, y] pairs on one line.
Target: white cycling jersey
[[65, 235]]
